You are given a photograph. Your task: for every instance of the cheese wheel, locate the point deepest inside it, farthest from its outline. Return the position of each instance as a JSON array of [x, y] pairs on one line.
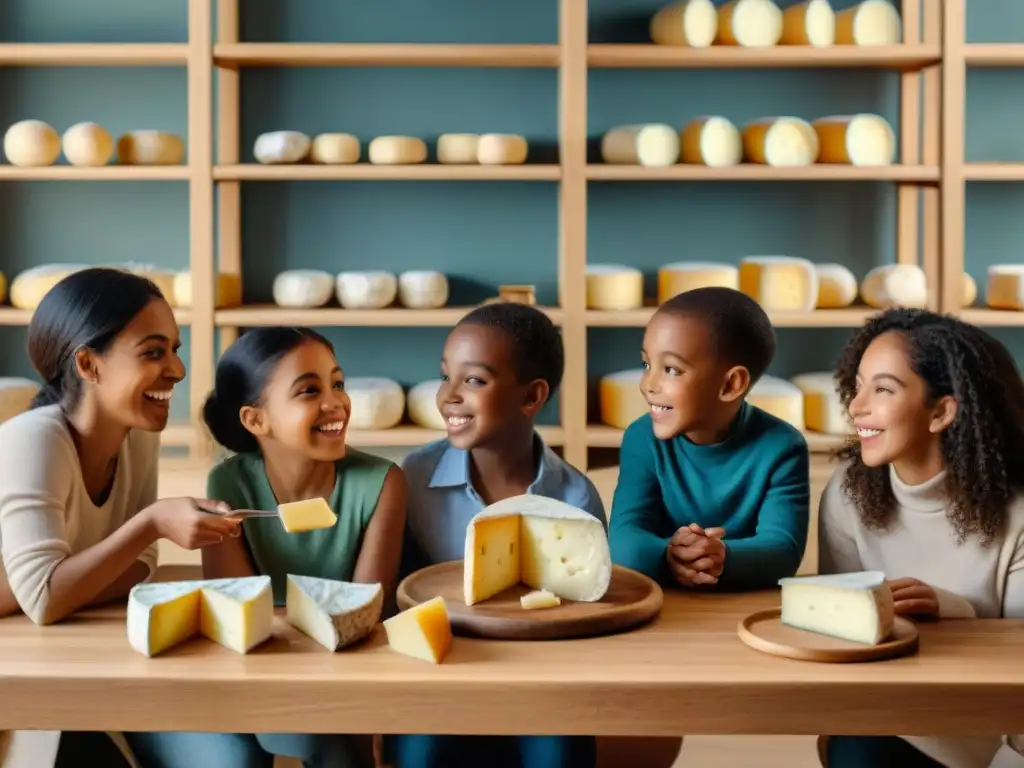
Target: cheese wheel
[[501, 149], [31, 144], [366, 289], [711, 141], [652, 145], [823, 410], [780, 142], [87, 144], [837, 286], [895, 285], [812, 22], [614, 287], [377, 403], [303, 288], [162, 278], [335, 149], [422, 289], [281, 147], [227, 292], [779, 283], [690, 23], [870, 22], [970, 291], [457, 148], [620, 398], [3, 287], [749, 23], [1005, 288], [780, 398], [29, 287], [677, 278], [148, 147], [16, 396], [855, 140], [397, 150], [421, 402]]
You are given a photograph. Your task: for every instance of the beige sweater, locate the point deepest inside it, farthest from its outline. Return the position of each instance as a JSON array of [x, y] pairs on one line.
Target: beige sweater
[[46, 514], [969, 580]]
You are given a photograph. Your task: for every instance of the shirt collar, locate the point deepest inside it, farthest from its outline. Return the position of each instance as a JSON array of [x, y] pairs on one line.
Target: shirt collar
[[452, 469]]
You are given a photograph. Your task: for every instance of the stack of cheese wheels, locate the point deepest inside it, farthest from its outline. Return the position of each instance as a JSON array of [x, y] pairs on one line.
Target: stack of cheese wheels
[[30, 286], [652, 145], [895, 285], [422, 289], [970, 291], [621, 402], [870, 22], [780, 141], [855, 140], [749, 23], [690, 23], [614, 287], [501, 149], [457, 148], [682, 276], [1005, 288], [335, 149], [377, 403], [811, 22], [780, 398], [227, 292], [150, 147], [823, 410], [712, 141], [779, 283], [31, 144], [837, 286], [303, 288], [366, 289], [397, 150], [15, 396], [421, 402], [281, 147], [87, 144]]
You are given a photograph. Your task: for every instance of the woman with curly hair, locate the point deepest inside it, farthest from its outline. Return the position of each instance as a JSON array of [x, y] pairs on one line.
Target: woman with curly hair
[[929, 492]]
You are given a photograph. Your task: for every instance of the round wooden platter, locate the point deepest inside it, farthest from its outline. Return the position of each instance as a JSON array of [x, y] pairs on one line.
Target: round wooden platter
[[765, 632], [632, 599]]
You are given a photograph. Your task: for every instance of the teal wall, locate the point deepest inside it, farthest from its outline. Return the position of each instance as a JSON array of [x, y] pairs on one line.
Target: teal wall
[[482, 234]]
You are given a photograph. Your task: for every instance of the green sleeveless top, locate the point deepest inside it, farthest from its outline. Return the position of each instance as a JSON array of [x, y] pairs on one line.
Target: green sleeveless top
[[330, 553]]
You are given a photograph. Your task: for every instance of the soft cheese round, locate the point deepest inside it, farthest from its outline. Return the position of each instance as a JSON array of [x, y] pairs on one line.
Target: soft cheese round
[[303, 288], [421, 401], [422, 289], [377, 403], [366, 289]]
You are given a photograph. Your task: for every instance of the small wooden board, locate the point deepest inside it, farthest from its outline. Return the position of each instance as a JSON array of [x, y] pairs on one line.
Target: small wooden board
[[765, 632], [631, 600]]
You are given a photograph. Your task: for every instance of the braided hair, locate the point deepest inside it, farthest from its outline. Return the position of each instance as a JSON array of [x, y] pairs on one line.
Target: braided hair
[[982, 449]]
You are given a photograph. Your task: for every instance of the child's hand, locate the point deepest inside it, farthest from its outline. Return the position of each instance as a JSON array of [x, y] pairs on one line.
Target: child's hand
[[914, 597], [696, 556]]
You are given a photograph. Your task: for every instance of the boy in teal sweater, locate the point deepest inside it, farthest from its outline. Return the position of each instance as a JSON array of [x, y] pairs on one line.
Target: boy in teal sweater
[[711, 490]]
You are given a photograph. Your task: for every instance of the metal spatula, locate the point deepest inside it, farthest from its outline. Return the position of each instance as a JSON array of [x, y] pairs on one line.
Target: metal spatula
[[242, 513]]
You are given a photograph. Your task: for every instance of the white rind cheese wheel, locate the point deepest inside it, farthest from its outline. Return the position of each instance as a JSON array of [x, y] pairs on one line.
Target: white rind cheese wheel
[[281, 147], [457, 148], [711, 141], [1005, 288], [422, 289], [691, 23], [779, 283], [614, 287], [421, 402], [227, 292], [31, 144], [87, 144], [502, 149], [837, 286], [29, 287], [366, 289], [823, 410], [621, 401], [397, 150], [895, 285], [857, 607], [780, 398], [148, 147], [855, 140], [871, 22], [812, 22], [377, 403], [299, 288], [970, 291], [677, 278], [16, 396], [749, 23], [335, 149], [653, 145], [336, 614], [783, 142]]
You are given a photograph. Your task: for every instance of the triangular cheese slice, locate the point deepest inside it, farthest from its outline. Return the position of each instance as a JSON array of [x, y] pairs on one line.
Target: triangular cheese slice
[[334, 613], [850, 606]]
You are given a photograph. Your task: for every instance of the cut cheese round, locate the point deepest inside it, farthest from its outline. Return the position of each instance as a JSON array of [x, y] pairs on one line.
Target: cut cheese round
[[303, 288], [812, 22], [837, 286], [397, 150], [366, 289], [970, 291], [652, 145], [336, 614], [780, 398], [501, 149], [335, 149], [614, 287], [779, 283], [749, 23], [377, 403], [780, 142], [422, 289], [1005, 288], [87, 144], [457, 148], [31, 144], [857, 607], [870, 22], [281, 147], [16, 396], [711, 141], [692, 23], [227, 292], [148, 147], [683, 276], [855, 140], [895, 285], [823, 410], [421, 402], [29, 287], [620, 399]]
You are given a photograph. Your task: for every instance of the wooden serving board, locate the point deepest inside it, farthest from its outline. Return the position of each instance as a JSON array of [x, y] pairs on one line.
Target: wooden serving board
[[631, 600], [765, 632]]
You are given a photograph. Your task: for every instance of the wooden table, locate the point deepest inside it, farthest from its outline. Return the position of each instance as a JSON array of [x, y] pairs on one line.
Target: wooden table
[[687, 673]]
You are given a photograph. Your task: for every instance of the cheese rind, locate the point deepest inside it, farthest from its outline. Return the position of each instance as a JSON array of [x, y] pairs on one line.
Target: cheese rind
[[850, 606], [502, 149], [782, 142], [377, 402], [303, 288], [823, 410], [749, 23], [281, 147], [335, 149], [683, 276], [397, 150], [422, 632], [457, 148], [1005, 289], [652, 145], [539, 598], [422, 289], [621, 401], [148, 147], [336, 614], [712, 141], [780, 398], [614, 287], [690, 23], [16, 395], [31, 143], [837, 286], [366, 289], [421, 402], [862, 139], [812, 22], [779, 283], [306, 515], [87, 144], [870, 22], [895, 285]]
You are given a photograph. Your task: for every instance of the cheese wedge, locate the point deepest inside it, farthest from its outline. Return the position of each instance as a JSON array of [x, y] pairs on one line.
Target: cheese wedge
[[334, 613], [306, 515], [850, 606], [422, 632], [539, 598]]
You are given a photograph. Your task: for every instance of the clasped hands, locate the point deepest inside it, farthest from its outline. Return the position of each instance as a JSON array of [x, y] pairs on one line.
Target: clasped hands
[[914, 597], [696, 555]]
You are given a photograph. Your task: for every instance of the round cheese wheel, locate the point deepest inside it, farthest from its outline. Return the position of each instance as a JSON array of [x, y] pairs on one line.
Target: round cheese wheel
[[366, 289], [457, 148], [335, 149], [654, 145], [377, 403], [693, 23], [783, 142], [779, 283], [397, 150], [421, 401], [148, 147], [749, 23], [677, 278], [869, 22], [501, 149], [303, 288], [1005, 288], [88, 144], [281, 147], [855, 140], [422, 289], [3, 287], [29, 287], [621, 402], [812, 22], [970, 291], [227, 293], [780, 398], [837, 286], [16, 396], [162, 278], [895, 285], [711, 141], [823, 410], [614, 287], [31, 144]]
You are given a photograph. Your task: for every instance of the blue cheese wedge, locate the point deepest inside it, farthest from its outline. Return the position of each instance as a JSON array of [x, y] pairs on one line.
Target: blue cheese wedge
[[334, 613], [850, 606]]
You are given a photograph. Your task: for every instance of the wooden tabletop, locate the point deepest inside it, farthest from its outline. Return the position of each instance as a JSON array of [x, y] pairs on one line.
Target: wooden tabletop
[[687, 673]]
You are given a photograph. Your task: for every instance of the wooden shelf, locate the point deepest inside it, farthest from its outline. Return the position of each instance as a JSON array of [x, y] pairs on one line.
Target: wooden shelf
[[994, 54], [994, 171], [923, 174], [995, 318], [384, 55], [629, 56], [263, 315], [367, 172], [101, 173], [850, 317], [601, 436], [93, 54], [12, 316]]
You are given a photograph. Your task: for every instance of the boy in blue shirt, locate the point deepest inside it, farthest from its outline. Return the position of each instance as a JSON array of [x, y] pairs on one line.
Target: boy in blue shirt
[[712, 490]]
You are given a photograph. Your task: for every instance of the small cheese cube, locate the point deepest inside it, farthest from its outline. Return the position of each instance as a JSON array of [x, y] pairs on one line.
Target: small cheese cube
[[855, 140], [366, 289], [281, 147], [651, 145], [870, 22], [421, 402], [749, 23], [850, 606], [812, 22], [683, 276], [620, 398], [539, 598], [837, 286], [780, 398], [335, 149], [823, 410], [377, 402], [421, 632], [501, 149], [150, 148], [306, 515], [614, 287], [334, 613], [691, 23], [303, 288], [895, 285], [779, 283], [397, 150], [1005, 288], [457, 148], [783, 142], [970, 291], [711, 141], [422, 289]]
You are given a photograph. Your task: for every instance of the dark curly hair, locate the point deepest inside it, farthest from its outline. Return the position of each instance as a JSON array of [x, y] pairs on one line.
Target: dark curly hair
[[982, 450]]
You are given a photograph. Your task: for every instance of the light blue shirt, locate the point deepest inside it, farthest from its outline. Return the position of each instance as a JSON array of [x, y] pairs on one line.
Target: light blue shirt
[[442, 499]]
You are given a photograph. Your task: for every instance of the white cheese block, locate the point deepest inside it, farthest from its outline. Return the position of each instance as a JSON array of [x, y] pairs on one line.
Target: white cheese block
[[366, 289], [236, 613], [837, 286], [812, 22], [850, 606], [539, 598], [870, 22], [303, 288], [780, 398], [457, 148], [397, 150], [150, 147], [1005, 288], [336, 614], [538, 541], [895, 285], [281, 147], [29, 287], [619, 397], [711, 141], [749, 23], [823, 410], [15, 396], [227, 291], [31, 143], [422, 289], [614, 287], [501, 149], [783, 142], [377, 403], [421, 402], [335, 149], [677, 278], [855, 140], [779, 283], [691, 23], [970, 291], [87, 144], [653, 145]]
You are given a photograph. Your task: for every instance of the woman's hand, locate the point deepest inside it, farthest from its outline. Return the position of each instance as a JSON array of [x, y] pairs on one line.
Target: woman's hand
[[914, 597], [182, 522]]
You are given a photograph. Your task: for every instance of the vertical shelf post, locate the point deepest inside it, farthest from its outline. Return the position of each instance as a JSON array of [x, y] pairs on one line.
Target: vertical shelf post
[[908, 195], [229, 193], [953, 200], [931, 223]]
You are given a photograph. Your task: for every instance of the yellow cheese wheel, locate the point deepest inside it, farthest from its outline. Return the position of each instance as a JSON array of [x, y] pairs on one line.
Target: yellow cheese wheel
[[970, 291], [779, 283], [690, 23], [749, 23], [31, 143], [228, 291], [855, 140], [652, 145], [621, 402], [3, 287], [780, 398], [150, 148], [29, 287], [895, 285], [457, 148], [614, 287], [870, 22], [674, 279], [823, 410], [712, 141], [782, 142], [335, 149], [812, 22], [837, 286], [1005, 288], [87, 144], [501, 149]]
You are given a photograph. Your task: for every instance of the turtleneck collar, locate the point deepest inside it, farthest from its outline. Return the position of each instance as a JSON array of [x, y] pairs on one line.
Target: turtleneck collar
[[929, 496]]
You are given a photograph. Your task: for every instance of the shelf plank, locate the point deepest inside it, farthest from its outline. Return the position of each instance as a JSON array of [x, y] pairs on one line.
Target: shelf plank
[[924, 174], [368, 172], [632, 56], [601, 436], [384, 55], [12, 316], [410, 436], [93, 54], [994, 171], [100, 173], [994, 54], [264, 315], [849, 317], [993, 318]]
